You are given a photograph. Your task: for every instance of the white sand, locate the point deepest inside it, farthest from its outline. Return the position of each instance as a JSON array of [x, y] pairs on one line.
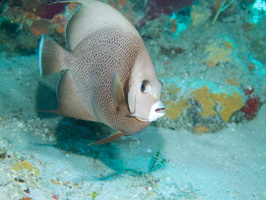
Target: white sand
[[230, 164]]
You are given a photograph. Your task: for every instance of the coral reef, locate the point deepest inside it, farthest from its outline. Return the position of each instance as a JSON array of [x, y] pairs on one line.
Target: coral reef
[[24, 19], [175, 109], [252, 105], [154, 8], [200, 14], [222, 104], [25, 165], [203, 109], [37, 17], [220, 50], [209, 54], [223, 5], [205, 88]]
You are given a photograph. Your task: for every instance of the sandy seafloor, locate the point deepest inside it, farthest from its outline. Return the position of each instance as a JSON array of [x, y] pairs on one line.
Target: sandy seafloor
[[46, 157]]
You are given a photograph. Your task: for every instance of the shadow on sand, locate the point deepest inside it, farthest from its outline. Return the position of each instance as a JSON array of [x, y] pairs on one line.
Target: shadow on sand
[[73, 137]]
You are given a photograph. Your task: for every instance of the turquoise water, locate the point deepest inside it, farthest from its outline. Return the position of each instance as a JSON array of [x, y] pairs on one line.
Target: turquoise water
[[210, 144]]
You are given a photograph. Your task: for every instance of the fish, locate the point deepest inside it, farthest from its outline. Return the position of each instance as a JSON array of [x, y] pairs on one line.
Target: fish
[[107, 74]]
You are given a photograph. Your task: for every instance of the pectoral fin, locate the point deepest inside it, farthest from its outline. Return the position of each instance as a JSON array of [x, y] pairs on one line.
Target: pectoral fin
[[117, 91], [110, 138]]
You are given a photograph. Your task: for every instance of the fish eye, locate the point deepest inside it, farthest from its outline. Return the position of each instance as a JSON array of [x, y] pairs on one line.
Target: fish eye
[[145, 87]]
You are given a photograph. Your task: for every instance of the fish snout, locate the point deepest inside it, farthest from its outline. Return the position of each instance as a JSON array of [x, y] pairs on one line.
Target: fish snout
[[157, 111], [161, 107]]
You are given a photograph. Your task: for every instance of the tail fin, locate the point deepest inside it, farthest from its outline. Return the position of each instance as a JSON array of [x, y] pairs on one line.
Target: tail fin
[[51, 56]]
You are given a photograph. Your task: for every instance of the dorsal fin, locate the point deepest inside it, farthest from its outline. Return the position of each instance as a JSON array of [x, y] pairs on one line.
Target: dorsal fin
[[92, 16], [69, 102]]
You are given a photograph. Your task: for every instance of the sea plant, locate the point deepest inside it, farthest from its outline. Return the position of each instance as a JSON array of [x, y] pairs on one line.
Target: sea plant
[[156, 163], [223, 6]]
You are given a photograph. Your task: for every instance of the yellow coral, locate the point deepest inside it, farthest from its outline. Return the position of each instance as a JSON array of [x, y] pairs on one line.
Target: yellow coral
[[229, 44], [22, 164], [221, 50], [175, 109], [199, 14], [201, 129], [233, 81], [228, 103], [172, 89], [205, 98]]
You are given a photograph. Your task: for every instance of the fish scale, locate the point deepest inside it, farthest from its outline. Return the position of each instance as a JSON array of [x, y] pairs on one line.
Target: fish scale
[[108, 74]]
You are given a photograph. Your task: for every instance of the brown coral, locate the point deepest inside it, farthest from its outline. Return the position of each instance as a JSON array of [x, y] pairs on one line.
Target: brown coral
[[40, 27]]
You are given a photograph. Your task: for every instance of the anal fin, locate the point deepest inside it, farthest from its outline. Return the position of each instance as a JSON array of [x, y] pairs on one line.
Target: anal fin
[[69, 101]]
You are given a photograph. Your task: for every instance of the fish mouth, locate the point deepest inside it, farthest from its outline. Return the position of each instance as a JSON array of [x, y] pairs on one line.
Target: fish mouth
[[160, 107], [160, 110]]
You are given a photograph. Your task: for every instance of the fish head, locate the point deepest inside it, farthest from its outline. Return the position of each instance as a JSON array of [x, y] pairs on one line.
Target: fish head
[[145, 91]]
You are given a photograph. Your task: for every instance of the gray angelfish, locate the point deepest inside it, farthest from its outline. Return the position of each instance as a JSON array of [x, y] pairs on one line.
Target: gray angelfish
[[108, 75]]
